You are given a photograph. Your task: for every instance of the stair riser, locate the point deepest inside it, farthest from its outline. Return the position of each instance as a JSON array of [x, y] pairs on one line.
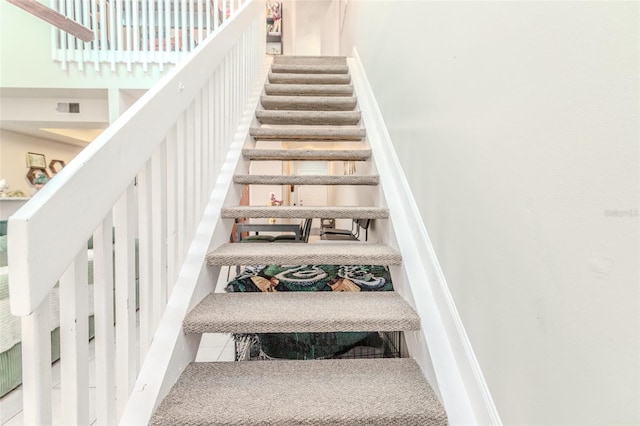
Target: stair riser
[[309, 118], [308, 89], [304, 212], [309, 69], [305, 180], [307, 134], [310, 60], [316, 103], [278, 78], [308, 155]]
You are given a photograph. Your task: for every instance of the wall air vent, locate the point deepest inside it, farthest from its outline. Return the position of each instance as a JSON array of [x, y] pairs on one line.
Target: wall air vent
[[68, 107]]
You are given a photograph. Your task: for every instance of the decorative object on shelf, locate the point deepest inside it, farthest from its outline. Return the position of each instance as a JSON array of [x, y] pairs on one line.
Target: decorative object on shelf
[[56, 165], [39, 174], [36, 160], [274, 28]]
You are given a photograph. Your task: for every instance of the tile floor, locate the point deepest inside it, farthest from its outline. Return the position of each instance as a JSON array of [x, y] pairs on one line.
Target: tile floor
[[213, 347]]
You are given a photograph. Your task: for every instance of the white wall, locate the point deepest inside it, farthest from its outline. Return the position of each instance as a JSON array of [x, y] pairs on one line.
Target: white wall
[[310, 27], [13, 157], [517, 126]]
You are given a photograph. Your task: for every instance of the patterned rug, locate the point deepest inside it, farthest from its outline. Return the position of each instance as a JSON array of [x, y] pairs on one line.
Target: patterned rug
[[274, 278]]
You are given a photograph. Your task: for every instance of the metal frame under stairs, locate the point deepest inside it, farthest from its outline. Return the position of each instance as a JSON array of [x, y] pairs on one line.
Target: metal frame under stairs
[[336, 392]]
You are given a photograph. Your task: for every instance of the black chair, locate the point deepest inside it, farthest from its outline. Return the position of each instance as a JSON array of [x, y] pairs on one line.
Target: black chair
[[304, 235], [352, 234]]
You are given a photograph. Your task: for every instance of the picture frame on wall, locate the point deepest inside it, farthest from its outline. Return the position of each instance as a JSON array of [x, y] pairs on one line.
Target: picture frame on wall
[[35, 160]]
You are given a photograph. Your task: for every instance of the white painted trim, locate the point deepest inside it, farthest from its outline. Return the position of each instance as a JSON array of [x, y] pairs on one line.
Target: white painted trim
[[460, 381], [171, 349]]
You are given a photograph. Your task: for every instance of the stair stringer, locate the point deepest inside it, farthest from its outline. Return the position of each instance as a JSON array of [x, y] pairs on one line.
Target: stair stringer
[[172, 349], [442, 347]]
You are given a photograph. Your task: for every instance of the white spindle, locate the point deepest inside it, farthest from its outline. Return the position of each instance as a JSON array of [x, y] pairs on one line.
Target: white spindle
[[197, 156], [177, 24], [86, 21], [208, 12], [36, 366], [183, 28], [103, 321], [191, 26], [126, 359], [166, 57], [148, 36], [128, 33], [216, 14], [190, 180], [114, 38], [119, 47], [95, 44], [158, 218], [181, 189], [210, 139], [135, 31], [146, 241], [200, 22], [172, 208], [74, 341]]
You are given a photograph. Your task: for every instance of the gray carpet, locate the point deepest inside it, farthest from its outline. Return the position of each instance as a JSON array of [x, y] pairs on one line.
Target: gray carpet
[[310, 69], [307, 154], [288, 312], [309, 89], [309, 103], [299, 133], [310, 60], [309, 118], [303, 212], [305, 180], [281, 78], [366, 392], [343, 253]]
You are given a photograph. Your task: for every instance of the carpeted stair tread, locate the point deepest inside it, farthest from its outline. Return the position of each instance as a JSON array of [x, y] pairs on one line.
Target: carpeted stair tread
[[309, 89], [307, 154], [337, 392], [303, 212], [310, 118], [342, 253], [306, 180], [309, 103], [344, 133], [310, 69], [292, 78], [300, 312], [310, 60]]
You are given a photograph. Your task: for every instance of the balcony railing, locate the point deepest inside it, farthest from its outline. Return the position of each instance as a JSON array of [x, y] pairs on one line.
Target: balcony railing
[[137, 31]]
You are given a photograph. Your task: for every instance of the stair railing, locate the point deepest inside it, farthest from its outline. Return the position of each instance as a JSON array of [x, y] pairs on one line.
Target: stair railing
[[137, 31], [140, 190], [441, 347]]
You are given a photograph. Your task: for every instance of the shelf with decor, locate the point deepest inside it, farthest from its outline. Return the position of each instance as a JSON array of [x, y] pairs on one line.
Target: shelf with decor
[[274, 27]]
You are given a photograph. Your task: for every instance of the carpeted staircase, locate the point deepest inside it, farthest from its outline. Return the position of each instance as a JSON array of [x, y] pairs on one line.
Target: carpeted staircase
[[305, 99]]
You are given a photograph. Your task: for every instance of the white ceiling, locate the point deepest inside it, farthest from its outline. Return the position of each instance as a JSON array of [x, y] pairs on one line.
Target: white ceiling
[[77, 134]]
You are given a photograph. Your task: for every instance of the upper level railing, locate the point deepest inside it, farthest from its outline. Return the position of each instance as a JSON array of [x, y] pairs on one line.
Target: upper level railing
[[137, 31], [140, 189]]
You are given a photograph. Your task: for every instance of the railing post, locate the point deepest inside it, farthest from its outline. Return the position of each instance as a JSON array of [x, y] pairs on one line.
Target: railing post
[[74, 341], [36, 366]]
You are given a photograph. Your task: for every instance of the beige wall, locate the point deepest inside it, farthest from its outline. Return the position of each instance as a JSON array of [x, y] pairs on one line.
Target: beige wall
[[517, 127], [13, 151]]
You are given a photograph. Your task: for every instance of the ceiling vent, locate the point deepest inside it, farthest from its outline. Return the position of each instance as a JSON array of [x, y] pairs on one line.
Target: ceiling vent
[[68, 107]]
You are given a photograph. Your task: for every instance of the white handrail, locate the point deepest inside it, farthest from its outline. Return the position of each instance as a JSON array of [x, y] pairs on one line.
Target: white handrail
[[175, 136], [456, 374]]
